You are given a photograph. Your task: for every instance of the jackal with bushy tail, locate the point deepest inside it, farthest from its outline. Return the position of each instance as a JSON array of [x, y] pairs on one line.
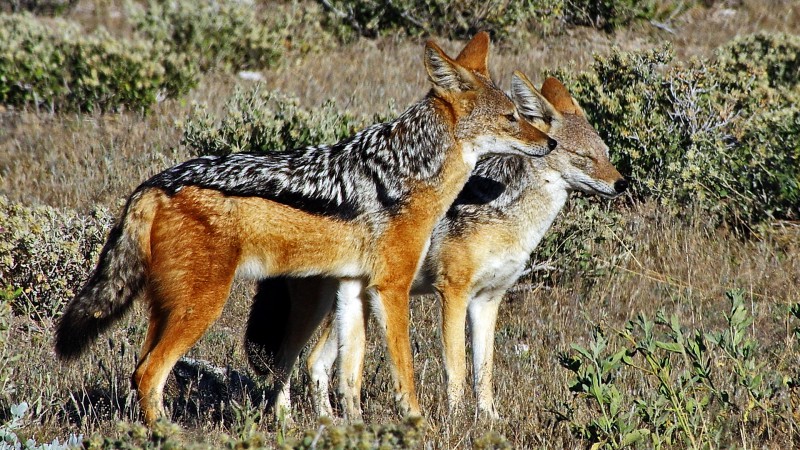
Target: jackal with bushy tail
[[362, 208], [478, 250]]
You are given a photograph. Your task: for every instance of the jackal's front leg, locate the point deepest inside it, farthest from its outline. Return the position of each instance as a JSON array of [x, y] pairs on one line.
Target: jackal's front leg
[[391, 306], [454, 317]]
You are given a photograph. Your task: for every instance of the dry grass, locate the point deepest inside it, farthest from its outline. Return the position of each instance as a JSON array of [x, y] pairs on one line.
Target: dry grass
[[77, 161]]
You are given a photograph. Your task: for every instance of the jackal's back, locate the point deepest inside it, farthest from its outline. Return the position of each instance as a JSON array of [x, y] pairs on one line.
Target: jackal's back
[[364, 174]]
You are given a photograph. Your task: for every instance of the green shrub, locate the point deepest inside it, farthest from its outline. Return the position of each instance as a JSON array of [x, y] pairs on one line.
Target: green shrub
[[8, 355], [462, 19], [713, 135], [259, 120], [47, 253], [49, 7], [408, 434], [693, 388], [455, 19], [56, 66], [776, 54], [226, 34], [607, 14]]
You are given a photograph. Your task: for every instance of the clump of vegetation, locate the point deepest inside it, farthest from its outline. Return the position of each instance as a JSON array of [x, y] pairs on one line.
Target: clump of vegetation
[[10, 433], [8, 356], [407, 434], [610, 14], [699, 385], [460, 20], [261, 120], [131, 435], [51, 7], [455, 19], [714, 135], [58, 67], [46, 253], [215, 34]]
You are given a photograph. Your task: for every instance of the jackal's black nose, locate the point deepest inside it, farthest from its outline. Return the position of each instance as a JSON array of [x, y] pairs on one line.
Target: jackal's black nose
[[620, 185], [552, 144]]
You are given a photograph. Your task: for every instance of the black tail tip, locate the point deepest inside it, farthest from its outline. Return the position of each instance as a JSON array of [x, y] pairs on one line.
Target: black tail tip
[[67, 346], [75, 332]]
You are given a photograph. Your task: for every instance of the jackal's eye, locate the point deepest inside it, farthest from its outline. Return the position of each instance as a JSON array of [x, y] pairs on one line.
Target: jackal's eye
[[511, 117]]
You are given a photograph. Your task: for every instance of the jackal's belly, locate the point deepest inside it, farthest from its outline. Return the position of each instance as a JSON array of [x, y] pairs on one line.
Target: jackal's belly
[[264, 237], [280, 240]]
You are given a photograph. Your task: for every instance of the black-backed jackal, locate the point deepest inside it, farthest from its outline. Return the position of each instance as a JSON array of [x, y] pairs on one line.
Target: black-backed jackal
[[362, 208], [477, 251]]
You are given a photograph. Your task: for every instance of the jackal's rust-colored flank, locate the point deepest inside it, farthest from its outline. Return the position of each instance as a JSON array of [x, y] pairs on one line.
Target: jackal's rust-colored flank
[[477, 251], [363, 208]]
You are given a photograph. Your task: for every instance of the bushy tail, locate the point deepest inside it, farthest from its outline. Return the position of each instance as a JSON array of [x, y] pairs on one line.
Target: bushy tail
[[117, 280], [267, 324]]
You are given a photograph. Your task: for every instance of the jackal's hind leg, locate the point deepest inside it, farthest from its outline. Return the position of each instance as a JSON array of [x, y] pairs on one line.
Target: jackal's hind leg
[[178, 320], [320, 367], [350, 323], [312, 299]]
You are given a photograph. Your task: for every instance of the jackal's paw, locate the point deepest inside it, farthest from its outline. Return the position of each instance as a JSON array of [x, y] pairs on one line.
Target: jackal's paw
[[488, 413]]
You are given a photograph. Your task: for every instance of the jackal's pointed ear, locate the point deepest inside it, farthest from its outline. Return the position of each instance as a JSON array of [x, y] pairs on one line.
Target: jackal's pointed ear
[[560, 97], [475, 55], [530, 103], [446, 73]]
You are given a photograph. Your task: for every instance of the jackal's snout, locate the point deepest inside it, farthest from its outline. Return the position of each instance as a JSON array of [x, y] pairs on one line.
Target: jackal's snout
[[541, 143]]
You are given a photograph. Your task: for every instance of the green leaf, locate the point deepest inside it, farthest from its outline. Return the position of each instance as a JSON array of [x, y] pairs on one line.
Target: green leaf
[[583, 351], [633, 437], [673, 347]]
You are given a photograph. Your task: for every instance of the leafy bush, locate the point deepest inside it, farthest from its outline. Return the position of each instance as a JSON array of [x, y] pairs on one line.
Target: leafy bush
[[47, 253], [7, 354], [502, 18], [213, 33], [455, 19], [10, 439], [259, 120], [386, 436], [57, 66], [697, 385], [51, 7], [714, 135], [607, 14]]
